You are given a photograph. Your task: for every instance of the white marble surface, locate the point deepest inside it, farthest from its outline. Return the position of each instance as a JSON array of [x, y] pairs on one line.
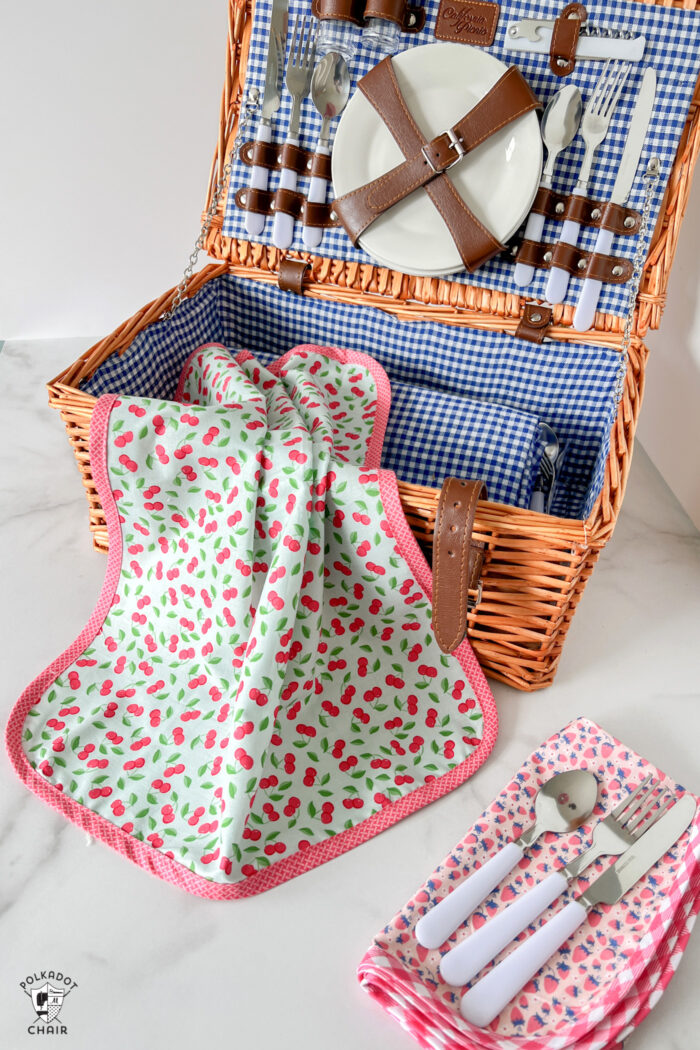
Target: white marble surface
[[160, 969]]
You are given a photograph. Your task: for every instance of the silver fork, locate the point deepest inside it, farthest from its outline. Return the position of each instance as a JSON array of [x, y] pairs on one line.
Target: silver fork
[[611, 837], [594, 127], [298, 81]]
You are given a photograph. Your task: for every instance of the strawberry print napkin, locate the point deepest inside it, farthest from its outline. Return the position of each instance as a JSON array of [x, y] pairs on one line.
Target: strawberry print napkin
[[259, 688], [604, 980]]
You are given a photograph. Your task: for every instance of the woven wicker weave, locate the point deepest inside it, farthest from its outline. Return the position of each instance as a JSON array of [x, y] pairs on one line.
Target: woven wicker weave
[[537, 565]]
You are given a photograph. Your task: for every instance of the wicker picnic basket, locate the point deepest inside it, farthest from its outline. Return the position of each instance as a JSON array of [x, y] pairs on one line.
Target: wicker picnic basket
[[536, 565]]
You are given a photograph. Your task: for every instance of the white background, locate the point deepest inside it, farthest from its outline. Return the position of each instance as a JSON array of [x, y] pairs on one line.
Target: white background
[[108, 117], [108, 122]]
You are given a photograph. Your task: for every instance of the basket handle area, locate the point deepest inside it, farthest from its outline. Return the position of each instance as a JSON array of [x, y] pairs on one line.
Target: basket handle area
[[457, 559]]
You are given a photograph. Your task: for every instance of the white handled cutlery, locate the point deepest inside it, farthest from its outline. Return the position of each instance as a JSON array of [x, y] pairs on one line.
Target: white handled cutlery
[[255, 221], [298, 81], [611, 837], [562, 804], [594, 127], [485, 1000], [639, 124], [560, 122], [330, 88]]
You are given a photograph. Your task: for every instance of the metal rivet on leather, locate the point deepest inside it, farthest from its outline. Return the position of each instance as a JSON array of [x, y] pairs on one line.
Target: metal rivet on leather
[[616, 271], [582, 264], [629, 222], [596, 213], [535, 317], [547, 256], [559, 208]]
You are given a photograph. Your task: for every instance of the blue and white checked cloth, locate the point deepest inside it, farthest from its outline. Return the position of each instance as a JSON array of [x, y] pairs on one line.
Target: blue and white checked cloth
[[460, 396], [673, 48]]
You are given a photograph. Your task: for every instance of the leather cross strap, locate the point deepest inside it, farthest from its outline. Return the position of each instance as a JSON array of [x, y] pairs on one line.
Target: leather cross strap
[[457, 559], [427, 161]]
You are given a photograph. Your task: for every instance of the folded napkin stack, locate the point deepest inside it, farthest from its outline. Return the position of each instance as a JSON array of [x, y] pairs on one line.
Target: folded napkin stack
[[602, 983]]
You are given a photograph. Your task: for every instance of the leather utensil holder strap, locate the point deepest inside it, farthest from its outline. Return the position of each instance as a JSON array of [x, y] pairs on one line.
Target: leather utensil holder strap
[[427, 161], [457, 559], [410, 17]]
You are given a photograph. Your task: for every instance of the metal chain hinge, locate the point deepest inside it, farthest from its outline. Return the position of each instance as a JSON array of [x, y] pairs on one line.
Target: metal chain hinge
[[248, 110]]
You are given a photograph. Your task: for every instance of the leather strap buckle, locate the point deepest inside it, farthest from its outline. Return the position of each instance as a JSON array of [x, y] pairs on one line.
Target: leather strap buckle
[[455, 144]]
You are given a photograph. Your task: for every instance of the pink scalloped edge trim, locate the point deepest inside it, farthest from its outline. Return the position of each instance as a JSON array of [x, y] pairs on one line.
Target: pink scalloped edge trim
[[147, 856]]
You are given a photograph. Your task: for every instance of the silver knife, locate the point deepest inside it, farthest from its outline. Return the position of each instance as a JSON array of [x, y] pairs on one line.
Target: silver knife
[[639, 124], [488, 997], [276, 47]]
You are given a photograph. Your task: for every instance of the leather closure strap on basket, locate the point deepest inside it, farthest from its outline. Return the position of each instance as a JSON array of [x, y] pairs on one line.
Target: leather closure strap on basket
[[427, 161], [273, 157], [562, 49], [534, 322], [457, 559], [624, 222], [291, 275], [609, 269]]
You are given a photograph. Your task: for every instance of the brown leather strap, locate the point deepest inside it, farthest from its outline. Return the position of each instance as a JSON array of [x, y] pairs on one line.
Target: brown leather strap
[[339, 10], [260, 154], [410, 17], [249, 199], [287, 201], [265, 202], [534, 323], [604, 268], [587, 212], [273, 157], [610, 269], [318, 214], [291, 275], [562, 50], [320, 166], [426, 162], [457, 559]]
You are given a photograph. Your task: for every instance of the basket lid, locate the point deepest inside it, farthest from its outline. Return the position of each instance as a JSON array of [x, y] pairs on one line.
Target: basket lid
[[461, 298]]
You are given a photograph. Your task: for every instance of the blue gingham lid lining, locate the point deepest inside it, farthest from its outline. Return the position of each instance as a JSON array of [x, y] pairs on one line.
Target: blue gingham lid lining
[[673, 48], [459, 394]]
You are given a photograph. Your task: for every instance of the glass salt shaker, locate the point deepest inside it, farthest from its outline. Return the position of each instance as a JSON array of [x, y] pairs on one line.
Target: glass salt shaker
[[337, 35], [382, 35]]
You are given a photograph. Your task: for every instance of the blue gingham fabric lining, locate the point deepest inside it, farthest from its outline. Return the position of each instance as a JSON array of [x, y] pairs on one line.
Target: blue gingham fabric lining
[[673, 48], [432, 435], [432, 367]]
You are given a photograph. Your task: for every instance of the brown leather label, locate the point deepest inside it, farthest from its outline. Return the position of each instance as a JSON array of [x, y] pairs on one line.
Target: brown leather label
[[467, 21]]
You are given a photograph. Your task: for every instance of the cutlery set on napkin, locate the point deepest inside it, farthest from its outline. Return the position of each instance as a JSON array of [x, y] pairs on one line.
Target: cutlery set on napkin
[[575, 968]]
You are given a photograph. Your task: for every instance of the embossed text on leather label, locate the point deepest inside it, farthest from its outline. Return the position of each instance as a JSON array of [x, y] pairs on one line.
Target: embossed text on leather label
[[467, 21]]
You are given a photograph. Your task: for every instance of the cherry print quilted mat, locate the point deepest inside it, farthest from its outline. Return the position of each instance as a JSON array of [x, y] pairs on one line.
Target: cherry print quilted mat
[[606, 978], [259, 688]]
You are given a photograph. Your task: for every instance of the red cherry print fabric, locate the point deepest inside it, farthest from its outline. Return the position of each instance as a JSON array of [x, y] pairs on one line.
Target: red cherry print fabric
[[260, 687], [605, 979]]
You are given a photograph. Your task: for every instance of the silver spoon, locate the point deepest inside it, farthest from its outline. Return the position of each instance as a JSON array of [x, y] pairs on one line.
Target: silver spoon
[[560, 122], [330, 88], [562, 804]]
